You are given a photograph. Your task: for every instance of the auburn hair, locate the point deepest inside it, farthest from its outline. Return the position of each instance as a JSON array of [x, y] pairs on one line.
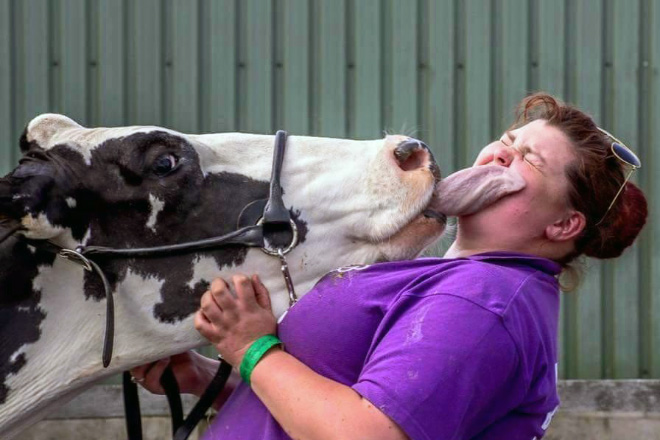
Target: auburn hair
[[594, 178]]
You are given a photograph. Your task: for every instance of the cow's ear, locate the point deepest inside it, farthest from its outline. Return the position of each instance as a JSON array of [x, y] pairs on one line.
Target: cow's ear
[[40, 129]]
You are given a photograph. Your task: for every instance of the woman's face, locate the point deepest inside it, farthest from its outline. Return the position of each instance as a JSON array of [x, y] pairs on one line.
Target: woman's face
[[540, 153]]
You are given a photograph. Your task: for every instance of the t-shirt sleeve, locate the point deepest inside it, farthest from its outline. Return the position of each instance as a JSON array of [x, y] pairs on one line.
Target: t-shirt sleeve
[[441, 367]]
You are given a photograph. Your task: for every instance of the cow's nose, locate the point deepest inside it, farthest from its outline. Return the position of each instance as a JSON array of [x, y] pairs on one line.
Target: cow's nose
[[413, 154]]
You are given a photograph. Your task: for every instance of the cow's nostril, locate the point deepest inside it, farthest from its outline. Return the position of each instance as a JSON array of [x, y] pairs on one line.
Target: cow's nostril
[[412, 155]]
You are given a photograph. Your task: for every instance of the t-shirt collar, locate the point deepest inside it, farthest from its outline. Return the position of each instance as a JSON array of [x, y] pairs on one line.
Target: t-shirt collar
[[543, 264]]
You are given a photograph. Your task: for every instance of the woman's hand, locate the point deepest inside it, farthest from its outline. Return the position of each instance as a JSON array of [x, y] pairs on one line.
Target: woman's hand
[[193, 372], [232, 321]]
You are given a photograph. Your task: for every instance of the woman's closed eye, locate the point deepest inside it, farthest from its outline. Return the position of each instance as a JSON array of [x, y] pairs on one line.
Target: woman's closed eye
[[525, 152], [530, 157]]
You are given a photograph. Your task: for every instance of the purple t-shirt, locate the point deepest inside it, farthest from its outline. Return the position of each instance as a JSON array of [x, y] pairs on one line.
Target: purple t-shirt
[[448, 348]]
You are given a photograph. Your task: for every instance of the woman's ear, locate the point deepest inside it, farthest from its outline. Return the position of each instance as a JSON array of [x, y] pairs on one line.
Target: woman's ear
[[566, 228]]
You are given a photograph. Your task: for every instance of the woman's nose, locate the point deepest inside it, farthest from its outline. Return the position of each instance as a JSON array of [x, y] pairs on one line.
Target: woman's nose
[[503, 156]]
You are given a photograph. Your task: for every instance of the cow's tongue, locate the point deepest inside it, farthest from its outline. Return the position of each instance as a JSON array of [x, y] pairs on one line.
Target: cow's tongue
[[472, 189]]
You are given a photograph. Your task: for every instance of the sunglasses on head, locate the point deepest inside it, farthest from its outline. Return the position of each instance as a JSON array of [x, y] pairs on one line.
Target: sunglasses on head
[[625, 155]]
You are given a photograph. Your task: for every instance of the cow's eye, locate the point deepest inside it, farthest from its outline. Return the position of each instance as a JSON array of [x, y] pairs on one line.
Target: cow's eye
[[164, 164]]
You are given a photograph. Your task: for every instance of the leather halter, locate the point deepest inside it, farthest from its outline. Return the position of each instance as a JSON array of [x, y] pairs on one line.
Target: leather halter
[[274, 214]]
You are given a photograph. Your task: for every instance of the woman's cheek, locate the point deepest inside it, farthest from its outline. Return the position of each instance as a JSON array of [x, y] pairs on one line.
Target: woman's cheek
[[485, 156]]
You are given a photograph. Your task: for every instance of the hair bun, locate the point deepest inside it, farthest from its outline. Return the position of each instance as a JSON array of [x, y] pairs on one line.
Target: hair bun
[[620, 232]]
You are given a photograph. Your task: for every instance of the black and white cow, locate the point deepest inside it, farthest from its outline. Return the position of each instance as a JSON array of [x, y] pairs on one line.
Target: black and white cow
[[355, 202]]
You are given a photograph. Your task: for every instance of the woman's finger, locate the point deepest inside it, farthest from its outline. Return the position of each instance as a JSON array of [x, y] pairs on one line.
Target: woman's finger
[[205, 327], [152, 378], [244, 291], [223, 295], [261, 293], [210, 307], [140, 371]]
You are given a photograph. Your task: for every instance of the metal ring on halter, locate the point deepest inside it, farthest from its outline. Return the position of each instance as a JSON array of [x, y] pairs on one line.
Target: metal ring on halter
[[76, 257], [294, 240]]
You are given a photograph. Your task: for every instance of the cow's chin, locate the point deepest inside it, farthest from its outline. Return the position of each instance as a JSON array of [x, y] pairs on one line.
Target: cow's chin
[[412, 239]]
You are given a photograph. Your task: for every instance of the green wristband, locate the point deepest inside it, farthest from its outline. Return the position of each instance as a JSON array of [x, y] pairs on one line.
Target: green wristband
[[255, 353]]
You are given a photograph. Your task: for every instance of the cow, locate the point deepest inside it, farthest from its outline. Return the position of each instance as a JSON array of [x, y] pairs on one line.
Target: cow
[[353, 202]]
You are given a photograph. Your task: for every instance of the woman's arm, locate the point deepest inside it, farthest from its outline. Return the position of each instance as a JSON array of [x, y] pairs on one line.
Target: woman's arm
[[306, 404], [193, 374], [310, 406]]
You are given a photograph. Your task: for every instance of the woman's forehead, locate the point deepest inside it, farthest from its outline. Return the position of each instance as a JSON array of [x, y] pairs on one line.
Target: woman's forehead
[[540, 134]]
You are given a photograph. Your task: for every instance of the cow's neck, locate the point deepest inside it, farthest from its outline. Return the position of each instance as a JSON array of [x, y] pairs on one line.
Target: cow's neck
[[40, 331]]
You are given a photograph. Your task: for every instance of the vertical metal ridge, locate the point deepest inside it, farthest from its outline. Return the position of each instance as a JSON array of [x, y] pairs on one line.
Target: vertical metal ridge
[[532, 48], [386, 76], [346, 72], [646, 239], [164, 114], [609, 331], [311, 100], [202, 78], [276, 72], [126, 65], [239, 81], [421, 37], [130, 100], [653, 93], [349, 65], [12, 83], [567, 44], [494, 69], [53, 31], [91, 62], [459, 96], [569, 51]]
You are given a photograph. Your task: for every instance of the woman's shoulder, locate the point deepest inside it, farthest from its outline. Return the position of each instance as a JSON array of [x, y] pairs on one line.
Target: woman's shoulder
[[490, 280]]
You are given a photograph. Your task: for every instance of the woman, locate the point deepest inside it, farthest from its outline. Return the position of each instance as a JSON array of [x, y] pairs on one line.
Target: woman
[[457, 348]]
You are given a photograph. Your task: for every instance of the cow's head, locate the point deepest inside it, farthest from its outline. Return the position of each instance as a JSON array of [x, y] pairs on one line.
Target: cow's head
[[140, 184]]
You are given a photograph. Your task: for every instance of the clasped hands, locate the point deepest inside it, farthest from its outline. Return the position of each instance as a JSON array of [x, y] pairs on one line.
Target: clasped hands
[[231, 317]]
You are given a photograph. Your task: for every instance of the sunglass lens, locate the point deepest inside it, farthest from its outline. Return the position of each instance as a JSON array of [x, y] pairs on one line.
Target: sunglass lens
[[626, 155]]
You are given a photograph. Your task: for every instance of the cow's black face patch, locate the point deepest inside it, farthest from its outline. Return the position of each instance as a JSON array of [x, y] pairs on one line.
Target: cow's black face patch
[[221, 198], [115, 202], [20, 314]]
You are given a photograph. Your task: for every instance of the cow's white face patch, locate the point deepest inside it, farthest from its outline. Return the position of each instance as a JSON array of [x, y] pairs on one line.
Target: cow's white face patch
[[157, 205], [39, 227]]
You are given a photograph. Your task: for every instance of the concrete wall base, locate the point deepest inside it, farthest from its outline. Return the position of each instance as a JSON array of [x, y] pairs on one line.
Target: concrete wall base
[[598, 409], [604, 426], [153, 428]]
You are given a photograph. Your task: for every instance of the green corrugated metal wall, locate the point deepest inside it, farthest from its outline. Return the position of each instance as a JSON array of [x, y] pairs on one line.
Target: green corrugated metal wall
[[447, 71]]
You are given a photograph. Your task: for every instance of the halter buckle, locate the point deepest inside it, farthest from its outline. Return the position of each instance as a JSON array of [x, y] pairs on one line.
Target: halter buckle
[[76, 257], [276, 251]]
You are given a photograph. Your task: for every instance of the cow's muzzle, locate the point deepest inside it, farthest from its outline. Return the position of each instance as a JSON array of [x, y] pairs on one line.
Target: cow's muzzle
[[26, 189]]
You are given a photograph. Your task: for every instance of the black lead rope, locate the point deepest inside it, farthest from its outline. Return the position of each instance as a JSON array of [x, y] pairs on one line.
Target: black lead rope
[[181, 428]]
